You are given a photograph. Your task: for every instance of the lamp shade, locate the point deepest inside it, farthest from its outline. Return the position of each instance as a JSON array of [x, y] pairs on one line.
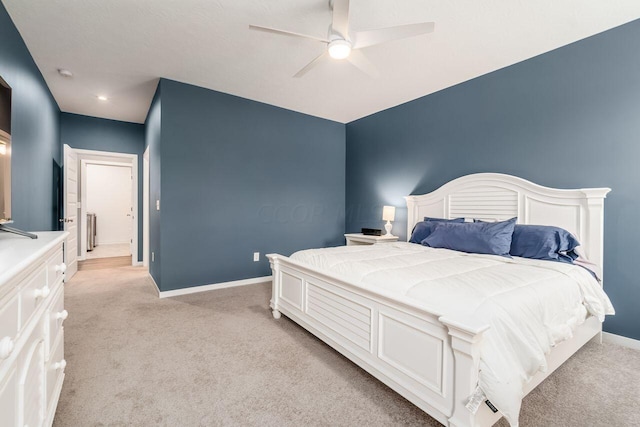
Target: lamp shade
[[388, 213]]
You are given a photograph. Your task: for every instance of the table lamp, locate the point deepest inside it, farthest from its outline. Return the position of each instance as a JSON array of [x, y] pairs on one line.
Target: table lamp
[[388, 214]]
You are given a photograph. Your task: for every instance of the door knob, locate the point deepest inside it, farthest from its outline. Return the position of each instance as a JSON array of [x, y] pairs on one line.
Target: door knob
[[42, 292]]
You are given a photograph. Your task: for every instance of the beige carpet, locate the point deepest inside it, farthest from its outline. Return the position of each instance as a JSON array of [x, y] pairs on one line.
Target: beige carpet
[[219, 359]]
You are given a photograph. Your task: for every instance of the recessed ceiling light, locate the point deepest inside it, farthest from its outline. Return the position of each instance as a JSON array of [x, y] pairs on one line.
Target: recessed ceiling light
[[102, 98], [65, 73]]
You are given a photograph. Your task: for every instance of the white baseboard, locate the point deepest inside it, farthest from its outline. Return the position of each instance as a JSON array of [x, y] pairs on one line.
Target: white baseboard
[[620, 340], [204, 288], [137, 263]]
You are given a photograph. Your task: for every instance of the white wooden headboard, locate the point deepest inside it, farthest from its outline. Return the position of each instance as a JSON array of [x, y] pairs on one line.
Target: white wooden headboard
[[494, 196]]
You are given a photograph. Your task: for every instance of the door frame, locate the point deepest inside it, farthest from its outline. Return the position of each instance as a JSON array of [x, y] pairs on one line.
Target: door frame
[[145, 207], [114, 159], [83, 207]]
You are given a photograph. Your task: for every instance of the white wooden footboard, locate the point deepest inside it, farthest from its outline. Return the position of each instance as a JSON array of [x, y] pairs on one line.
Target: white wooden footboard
[[431, 361]]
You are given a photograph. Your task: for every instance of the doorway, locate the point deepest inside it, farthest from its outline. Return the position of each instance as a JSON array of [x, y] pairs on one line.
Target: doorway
[[108, 188], [109, 209]]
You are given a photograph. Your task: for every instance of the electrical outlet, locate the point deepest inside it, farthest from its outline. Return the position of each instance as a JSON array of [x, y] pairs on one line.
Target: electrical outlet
[[256, 256], [153, 256]]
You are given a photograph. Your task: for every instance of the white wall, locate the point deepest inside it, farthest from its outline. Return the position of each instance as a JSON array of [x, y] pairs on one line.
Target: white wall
[[108, 195]]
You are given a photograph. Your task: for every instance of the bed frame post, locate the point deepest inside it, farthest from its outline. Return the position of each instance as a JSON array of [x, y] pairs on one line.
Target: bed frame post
[[274, 262], [594, 234], [465, 342]]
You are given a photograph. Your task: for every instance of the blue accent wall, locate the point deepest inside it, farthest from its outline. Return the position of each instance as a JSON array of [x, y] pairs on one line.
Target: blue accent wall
[[568, 119], [239, 177], [153, 132], [91, 133], [35, 134]]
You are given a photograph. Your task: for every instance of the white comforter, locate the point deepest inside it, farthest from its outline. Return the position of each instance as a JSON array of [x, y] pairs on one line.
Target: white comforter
[[529, 305]]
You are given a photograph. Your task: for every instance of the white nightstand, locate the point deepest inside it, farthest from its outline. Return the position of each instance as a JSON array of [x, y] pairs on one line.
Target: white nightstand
[[354, 239]]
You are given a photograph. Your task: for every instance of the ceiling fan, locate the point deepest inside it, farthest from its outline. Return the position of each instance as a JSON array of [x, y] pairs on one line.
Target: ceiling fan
[[343, 44]]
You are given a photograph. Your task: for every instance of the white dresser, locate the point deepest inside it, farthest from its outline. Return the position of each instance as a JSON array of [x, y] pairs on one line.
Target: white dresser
[[31, 333]]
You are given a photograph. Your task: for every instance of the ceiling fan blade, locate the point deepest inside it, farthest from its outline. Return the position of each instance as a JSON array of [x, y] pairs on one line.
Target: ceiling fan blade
[[360, 61], [286, 33], [340, 22], [311, 64], [374, 37]]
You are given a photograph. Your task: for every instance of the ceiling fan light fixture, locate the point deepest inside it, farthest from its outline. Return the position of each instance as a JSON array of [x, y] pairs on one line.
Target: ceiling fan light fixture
[[339, 49]]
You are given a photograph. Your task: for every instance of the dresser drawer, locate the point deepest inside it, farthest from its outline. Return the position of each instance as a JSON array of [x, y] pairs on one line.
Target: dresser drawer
[[32, 377], [33, 294], [8, 324], [55, 373], [55, 268], [9, 398], [57, 315]]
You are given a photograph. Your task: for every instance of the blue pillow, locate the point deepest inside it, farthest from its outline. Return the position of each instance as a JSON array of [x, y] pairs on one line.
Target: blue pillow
[[428, 218], [543, 242], [492, 238], [424, 228]]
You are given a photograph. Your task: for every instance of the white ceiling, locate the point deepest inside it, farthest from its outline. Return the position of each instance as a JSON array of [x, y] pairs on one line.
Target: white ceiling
[[121, 47]]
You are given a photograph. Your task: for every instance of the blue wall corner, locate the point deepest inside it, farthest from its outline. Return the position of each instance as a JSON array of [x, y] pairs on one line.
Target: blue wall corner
[[153, 133]]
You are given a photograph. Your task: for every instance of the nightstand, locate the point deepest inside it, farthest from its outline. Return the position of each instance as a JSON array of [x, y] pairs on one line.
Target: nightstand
[[354, 239]]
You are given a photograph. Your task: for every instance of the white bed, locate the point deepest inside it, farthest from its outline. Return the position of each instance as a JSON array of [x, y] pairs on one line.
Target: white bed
[[429, 358]]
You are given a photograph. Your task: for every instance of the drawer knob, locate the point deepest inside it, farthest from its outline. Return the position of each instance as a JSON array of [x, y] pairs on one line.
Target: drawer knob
[[61, 267], [62, 315], [42, 292], [6, 347], [60, 365]]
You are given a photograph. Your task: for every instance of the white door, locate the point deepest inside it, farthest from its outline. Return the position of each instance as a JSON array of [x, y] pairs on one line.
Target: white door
[[70, 176]]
